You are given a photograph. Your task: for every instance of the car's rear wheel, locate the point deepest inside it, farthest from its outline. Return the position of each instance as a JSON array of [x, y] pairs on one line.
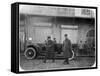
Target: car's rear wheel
[[30, 53], [72, 55]]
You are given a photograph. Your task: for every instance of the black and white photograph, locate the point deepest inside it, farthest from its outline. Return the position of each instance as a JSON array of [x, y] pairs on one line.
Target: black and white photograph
[[56, 37]]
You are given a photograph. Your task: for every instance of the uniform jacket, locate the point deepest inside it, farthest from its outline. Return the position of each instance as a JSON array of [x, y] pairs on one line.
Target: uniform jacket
[[50, 46]]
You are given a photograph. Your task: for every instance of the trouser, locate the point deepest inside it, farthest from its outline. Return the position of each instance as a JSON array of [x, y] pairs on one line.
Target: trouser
[[49, 55]]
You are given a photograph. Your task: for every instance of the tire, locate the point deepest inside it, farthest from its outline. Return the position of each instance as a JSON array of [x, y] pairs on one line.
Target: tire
[[30, 53], [72, 55]]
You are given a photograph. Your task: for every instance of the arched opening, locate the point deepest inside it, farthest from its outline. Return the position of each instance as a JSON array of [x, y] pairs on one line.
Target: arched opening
[[90, 39], [91, 33], [90, 36]]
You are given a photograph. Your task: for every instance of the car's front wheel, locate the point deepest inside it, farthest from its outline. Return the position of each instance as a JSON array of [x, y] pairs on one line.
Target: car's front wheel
[[30, 53]]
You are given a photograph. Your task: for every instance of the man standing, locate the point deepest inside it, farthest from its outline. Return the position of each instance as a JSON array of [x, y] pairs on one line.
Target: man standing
[[80, 48], [49, 50], [55, 44], [67, 48], [54, 39]]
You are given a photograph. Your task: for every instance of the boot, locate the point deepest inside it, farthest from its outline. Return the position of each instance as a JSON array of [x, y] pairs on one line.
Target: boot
[[66, 61]]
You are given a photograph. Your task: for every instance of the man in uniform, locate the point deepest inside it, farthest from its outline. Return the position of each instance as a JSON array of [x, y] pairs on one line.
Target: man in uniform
[[49, 49], [67, 48]]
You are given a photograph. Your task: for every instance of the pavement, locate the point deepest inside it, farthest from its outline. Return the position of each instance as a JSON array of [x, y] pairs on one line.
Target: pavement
[[37, 64]]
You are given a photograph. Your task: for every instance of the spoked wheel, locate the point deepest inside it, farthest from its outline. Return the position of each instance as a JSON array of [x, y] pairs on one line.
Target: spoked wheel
[[30, 53]]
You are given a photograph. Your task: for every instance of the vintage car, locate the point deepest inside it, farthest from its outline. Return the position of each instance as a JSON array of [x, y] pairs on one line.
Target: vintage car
[[38, 50]]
